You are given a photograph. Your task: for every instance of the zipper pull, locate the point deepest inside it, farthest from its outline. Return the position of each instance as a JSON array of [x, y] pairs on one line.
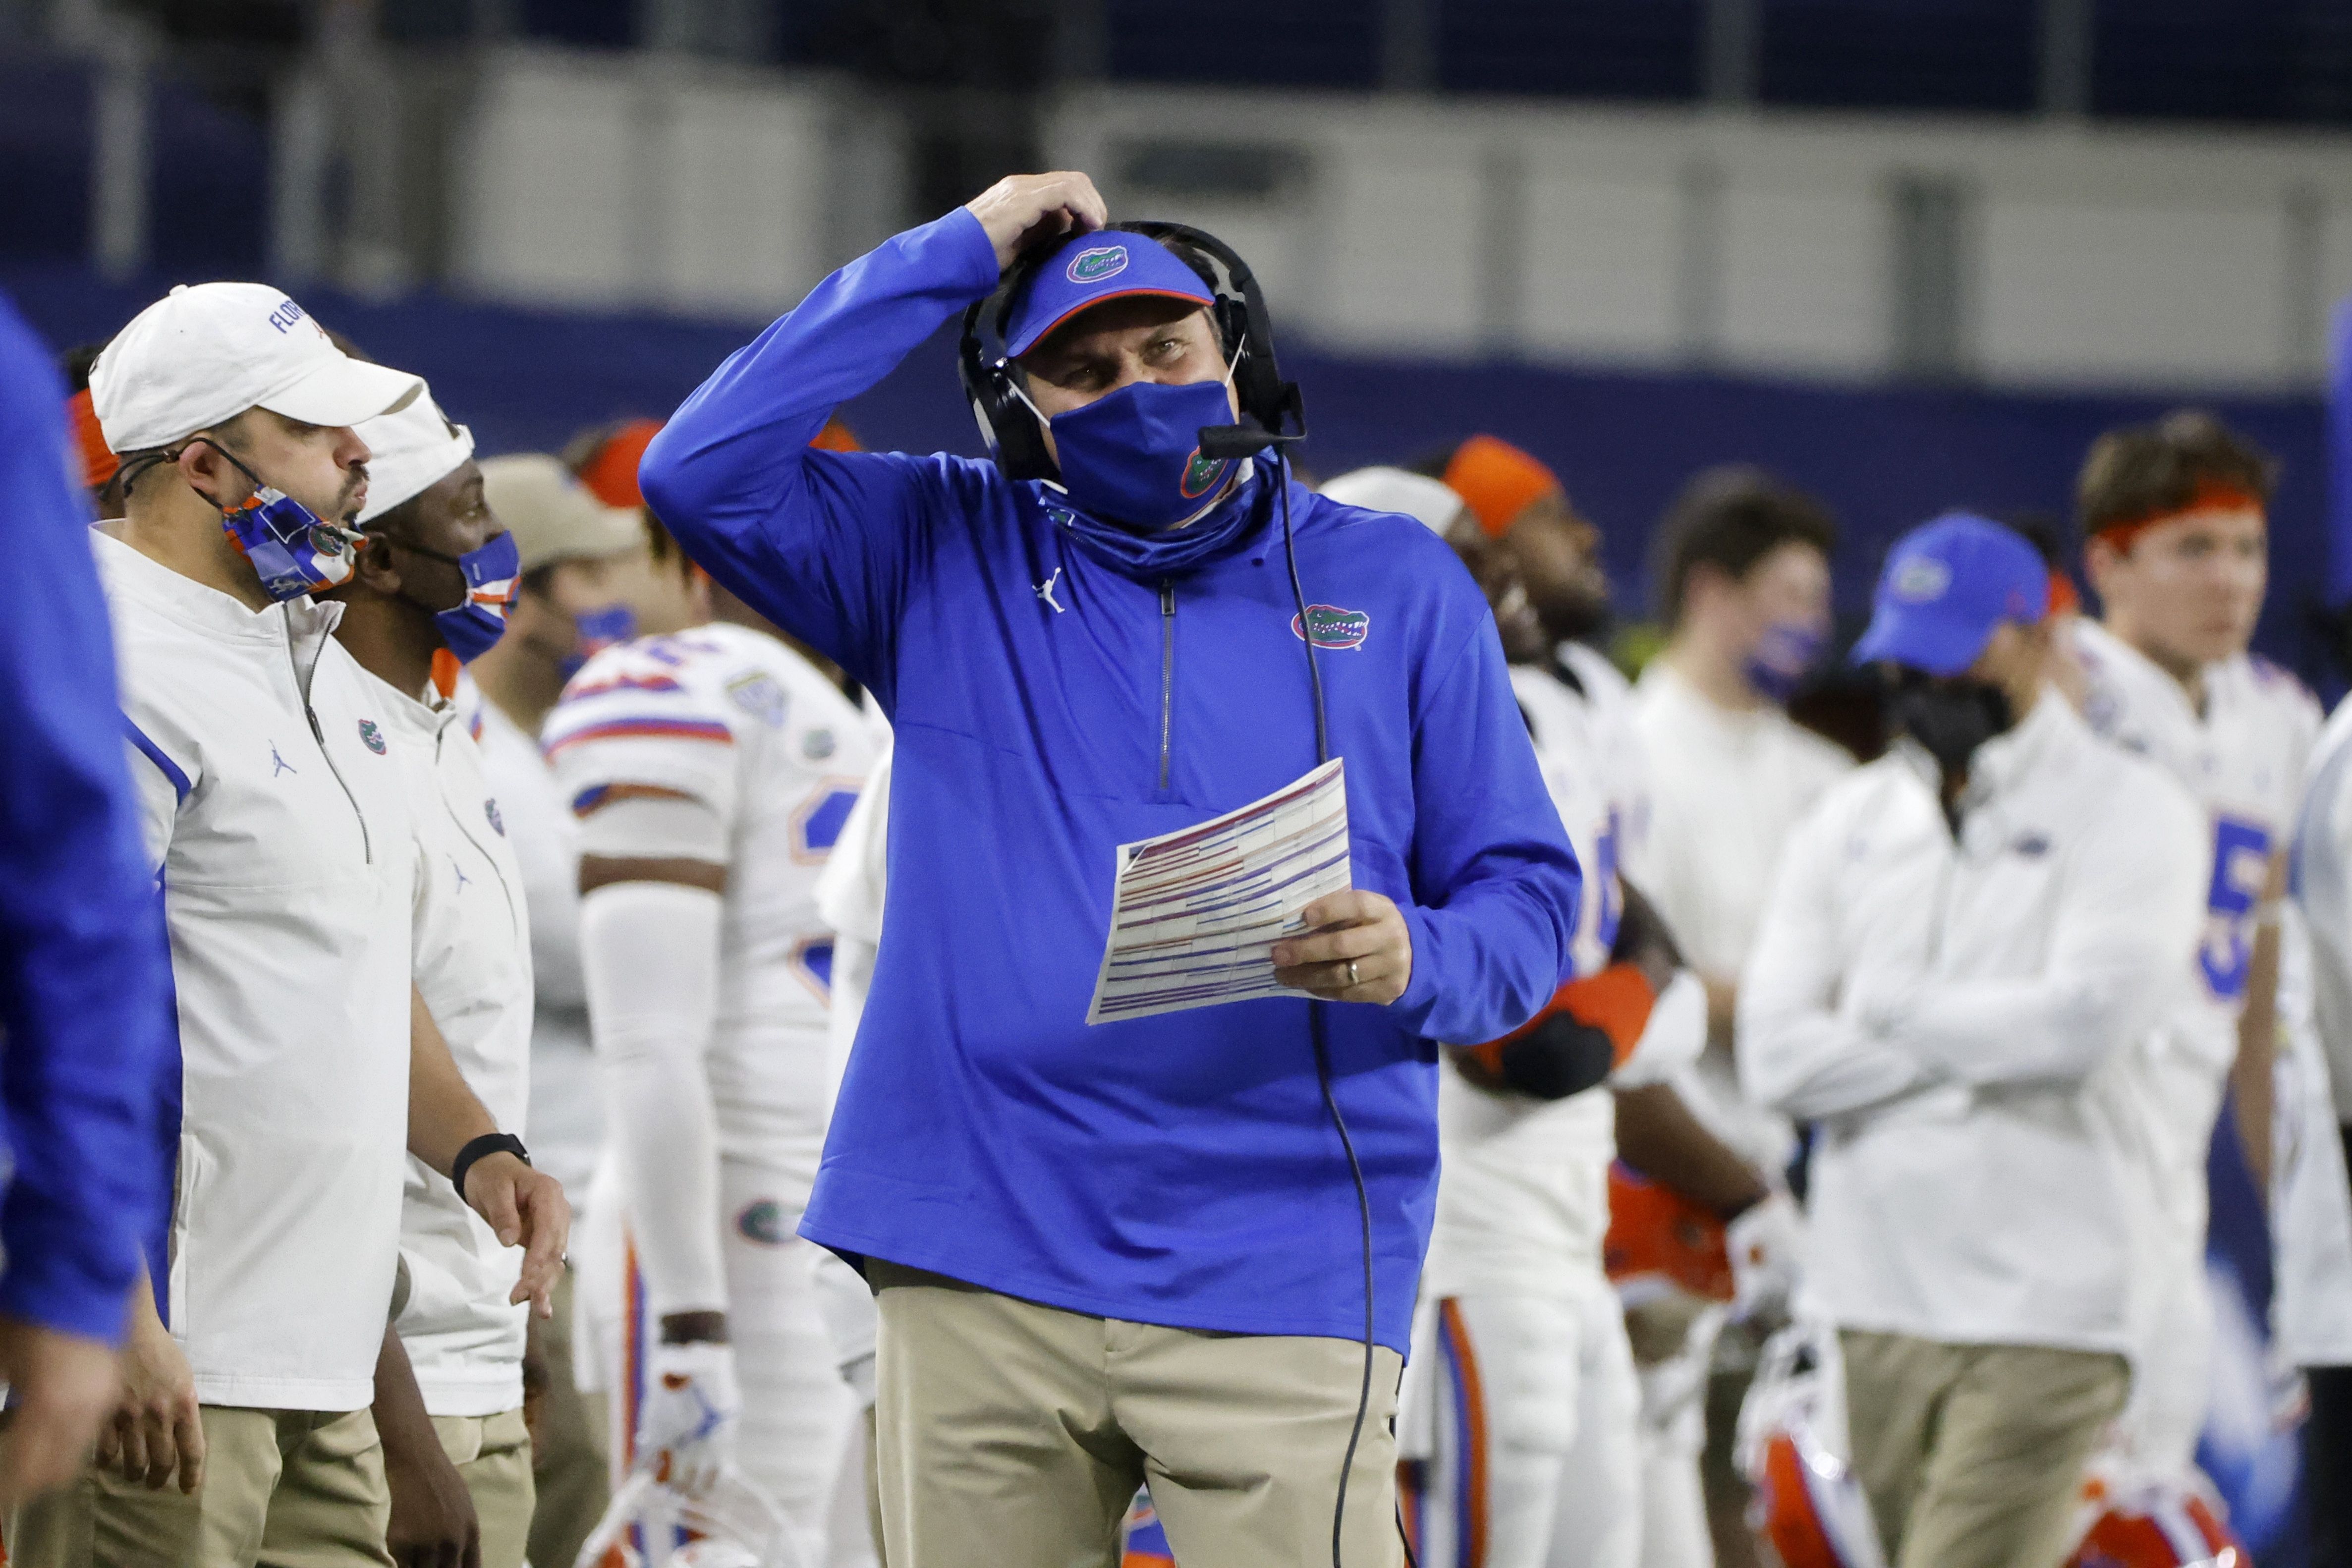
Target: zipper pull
[[317, 734], [1167, 599]]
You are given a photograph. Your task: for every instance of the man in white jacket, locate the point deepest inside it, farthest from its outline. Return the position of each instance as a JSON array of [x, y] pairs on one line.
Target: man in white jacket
[[278, 826], [1964, 945], [434, 573]]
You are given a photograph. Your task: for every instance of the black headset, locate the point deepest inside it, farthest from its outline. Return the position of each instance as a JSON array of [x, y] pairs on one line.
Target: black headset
[[1009, 426]]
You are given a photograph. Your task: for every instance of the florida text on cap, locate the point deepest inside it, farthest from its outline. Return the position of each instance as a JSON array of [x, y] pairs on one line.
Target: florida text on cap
[[205, 353]]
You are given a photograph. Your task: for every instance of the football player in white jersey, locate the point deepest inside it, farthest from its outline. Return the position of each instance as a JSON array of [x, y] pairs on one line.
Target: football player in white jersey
[[1519, 1426], [711, 769], [2177, 547]]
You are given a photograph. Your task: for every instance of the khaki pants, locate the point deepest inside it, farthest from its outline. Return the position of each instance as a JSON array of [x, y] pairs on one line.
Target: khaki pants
[[1013, 1436], [568, 1466], [493, 1453], [1972, 1455], [290, 1488]]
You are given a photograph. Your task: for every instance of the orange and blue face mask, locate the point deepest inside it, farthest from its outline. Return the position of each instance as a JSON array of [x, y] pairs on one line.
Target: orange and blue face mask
[[294, 551]]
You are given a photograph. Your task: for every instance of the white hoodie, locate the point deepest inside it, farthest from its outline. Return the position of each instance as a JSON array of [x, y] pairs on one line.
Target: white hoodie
[[1958, 1018]]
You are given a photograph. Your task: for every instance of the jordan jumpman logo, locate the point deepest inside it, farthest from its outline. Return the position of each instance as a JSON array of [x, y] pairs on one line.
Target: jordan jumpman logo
[[281, 765]]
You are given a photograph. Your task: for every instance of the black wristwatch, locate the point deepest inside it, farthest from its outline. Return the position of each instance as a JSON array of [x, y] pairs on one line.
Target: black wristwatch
[[488, 1143]]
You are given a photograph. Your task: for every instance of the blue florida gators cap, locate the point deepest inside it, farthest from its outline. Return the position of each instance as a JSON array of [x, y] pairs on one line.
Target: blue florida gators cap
[[1948, 583], [1108, 264]]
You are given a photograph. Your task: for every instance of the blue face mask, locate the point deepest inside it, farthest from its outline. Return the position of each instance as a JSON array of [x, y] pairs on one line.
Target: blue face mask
[[1134, 457], [471, 627], [1782, 658], [597, 630]]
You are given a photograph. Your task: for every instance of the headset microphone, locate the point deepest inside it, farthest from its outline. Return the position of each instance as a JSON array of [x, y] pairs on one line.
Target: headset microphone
[[1223, 441]]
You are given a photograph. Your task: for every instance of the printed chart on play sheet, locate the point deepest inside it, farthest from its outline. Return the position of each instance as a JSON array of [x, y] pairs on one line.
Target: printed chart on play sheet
[[1195, 913]]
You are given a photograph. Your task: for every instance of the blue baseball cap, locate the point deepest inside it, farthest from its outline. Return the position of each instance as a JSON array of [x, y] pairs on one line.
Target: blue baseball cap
[[1948, 585], [1088, 268]]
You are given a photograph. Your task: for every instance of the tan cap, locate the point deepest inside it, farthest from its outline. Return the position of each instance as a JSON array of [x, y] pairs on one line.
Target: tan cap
[[552, 515]]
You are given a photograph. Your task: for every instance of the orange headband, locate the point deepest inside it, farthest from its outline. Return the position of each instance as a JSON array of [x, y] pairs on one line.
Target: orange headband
[[611, 475], [2210, 495], [1497, 481], [98, 462]]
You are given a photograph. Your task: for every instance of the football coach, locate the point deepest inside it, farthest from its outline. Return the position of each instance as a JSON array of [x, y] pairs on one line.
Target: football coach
[[1180, 1249]]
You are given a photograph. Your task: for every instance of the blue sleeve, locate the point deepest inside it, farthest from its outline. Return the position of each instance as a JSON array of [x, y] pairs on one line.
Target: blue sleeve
[[820, 543], [1495, 886], [82, 969]]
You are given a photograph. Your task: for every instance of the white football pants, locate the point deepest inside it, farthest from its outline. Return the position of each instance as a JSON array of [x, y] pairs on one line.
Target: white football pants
[[1517, 1434], [799, 1418]]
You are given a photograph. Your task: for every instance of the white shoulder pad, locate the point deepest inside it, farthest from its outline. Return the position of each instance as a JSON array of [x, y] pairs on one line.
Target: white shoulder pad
[[645, 718]]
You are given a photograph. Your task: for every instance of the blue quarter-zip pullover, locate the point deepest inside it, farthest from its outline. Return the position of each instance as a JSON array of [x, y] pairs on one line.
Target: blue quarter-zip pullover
[[84, 999], [1053, 698]]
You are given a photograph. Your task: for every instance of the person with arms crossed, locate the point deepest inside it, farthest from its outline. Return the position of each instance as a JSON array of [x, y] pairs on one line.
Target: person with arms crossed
[[1116, 1246], [84, 1027], [1966, 943], [2177, 548], [432, 577], [711, 769], [278, 825]]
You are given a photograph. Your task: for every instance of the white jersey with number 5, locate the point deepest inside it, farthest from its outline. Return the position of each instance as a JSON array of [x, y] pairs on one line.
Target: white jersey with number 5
[[2242, 758]]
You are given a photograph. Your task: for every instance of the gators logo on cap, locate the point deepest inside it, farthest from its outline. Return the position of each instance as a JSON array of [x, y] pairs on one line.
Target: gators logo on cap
[[1201, 474], [1922, 578], [1327, 626], [1094, 265]]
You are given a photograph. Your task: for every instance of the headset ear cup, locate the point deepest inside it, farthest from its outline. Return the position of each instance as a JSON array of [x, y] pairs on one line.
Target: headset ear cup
[[1019, 443]]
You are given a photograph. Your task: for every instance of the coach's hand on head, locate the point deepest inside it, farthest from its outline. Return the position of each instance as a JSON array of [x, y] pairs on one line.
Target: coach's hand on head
[[1356, 949], [1023, 210]]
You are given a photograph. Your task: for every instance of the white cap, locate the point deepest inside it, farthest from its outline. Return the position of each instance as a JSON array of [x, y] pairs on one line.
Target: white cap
[[1428, 501], [410, 451], [204, 354]]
